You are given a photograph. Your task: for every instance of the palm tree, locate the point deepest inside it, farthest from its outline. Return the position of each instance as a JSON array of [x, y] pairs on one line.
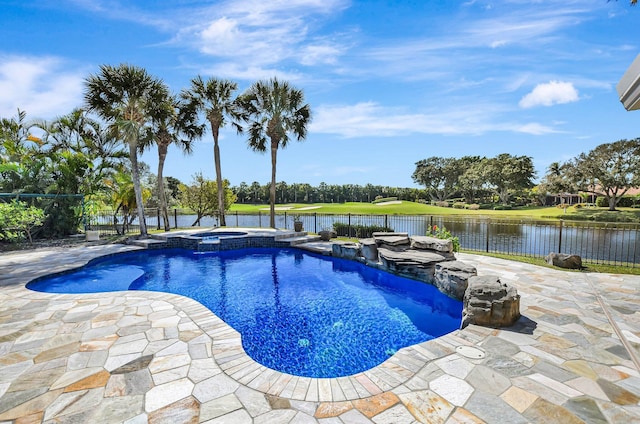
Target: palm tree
[[122, 96], [213, 97], [171, 123], [274, 109]]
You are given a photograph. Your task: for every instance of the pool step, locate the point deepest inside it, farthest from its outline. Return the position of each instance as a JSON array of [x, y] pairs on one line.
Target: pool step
[[299, 239], [147, 243]]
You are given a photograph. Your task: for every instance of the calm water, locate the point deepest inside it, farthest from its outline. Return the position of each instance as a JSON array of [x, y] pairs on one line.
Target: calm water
[[299, 313]]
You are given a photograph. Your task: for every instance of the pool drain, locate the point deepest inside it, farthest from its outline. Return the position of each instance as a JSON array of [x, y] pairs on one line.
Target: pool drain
[[470, 352]]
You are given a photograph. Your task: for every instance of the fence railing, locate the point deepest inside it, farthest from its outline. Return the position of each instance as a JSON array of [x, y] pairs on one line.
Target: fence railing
[[595, 242]]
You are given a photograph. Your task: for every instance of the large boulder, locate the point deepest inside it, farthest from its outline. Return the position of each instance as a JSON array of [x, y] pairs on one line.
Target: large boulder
[[392, 241], [452, 278], [490, 303], [369, 249], [346, 250], [563, 260], [416, 264], [431, 243]]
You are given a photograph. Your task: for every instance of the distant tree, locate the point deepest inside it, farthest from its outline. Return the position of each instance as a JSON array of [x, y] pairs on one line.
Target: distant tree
[[122, 96], [439, 175], [474, 180], [214, 99], [173, 185], [202, 197], [609, 170], [557, 180], [274, 110], [507, 173]]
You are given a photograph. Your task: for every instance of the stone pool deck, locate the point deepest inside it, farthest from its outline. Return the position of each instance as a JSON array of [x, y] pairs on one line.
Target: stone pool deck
[[138, 357]]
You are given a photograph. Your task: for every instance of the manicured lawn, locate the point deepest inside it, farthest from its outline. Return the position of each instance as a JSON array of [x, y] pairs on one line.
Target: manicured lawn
[[402, 208], [412, 208]]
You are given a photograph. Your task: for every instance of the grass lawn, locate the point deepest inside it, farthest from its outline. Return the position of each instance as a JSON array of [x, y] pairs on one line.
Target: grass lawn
[[412, 208]]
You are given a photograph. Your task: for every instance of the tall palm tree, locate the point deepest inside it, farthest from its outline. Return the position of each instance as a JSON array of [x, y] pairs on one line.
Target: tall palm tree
[[274, 110], [213, 98], [175, 123], [122, 95]]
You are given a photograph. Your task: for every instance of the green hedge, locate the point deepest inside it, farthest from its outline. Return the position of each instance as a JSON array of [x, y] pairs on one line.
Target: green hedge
[[358, 231], [624, 202]]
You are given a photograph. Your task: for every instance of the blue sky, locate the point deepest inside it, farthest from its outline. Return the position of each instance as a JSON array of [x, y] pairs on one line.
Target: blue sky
[[388, 82]]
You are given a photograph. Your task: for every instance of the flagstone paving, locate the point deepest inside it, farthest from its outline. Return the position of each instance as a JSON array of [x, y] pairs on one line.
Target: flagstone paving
[[136, 357]]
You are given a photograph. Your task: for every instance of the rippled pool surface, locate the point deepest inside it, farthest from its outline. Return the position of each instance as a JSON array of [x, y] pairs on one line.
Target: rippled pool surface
[[299, 313]]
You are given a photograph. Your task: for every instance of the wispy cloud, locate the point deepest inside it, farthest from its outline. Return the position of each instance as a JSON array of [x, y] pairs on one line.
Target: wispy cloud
[[549, 94], [42, 86], [370, 119]]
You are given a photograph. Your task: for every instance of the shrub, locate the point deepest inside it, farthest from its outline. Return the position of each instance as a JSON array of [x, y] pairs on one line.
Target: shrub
[[473, 207], [442, 204], [444, 234], [17, 220], [357, 230], [578, 206], [459, 205], [502, 208]]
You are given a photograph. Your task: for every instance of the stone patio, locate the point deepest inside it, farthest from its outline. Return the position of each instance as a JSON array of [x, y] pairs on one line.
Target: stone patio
[[137, 357]]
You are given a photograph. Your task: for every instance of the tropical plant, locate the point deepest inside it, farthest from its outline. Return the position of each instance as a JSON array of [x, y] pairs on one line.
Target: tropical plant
[[213, 98], [124, 198], [444, 234], [274, 110], [172, 122], [122, 95]]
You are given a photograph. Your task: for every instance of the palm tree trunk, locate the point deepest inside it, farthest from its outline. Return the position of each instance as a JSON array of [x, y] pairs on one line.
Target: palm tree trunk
[[162, 155], [272, 189], [135, 176], [216, 159]]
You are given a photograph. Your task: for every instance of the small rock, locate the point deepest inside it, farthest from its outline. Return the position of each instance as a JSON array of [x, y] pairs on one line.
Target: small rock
[[564, 260]]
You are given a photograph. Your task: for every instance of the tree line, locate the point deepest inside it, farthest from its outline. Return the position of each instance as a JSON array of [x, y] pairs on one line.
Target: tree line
[[256, 193], [610, 171]]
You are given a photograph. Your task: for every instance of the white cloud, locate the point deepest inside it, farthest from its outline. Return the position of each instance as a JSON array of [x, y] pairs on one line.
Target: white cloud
[[259, 33], [369, 119], [549, 94], [41, 86]]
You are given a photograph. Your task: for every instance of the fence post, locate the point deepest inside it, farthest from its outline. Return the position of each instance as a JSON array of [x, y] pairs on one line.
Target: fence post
[[175, 218], [488, 231], [386, 221], [285, 219], [158, 213], [315, 222], [560, 238], [259, 220], [237, 222], [349, 225]]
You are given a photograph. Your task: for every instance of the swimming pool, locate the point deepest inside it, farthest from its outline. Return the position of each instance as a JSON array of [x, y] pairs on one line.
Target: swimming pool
[[297, 312]]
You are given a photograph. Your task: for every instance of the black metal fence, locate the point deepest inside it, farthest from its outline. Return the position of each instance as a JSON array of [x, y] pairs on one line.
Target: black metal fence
[[595, 242]]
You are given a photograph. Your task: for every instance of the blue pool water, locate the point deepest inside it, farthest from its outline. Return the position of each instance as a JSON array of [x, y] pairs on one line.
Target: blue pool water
[[299, 313]]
